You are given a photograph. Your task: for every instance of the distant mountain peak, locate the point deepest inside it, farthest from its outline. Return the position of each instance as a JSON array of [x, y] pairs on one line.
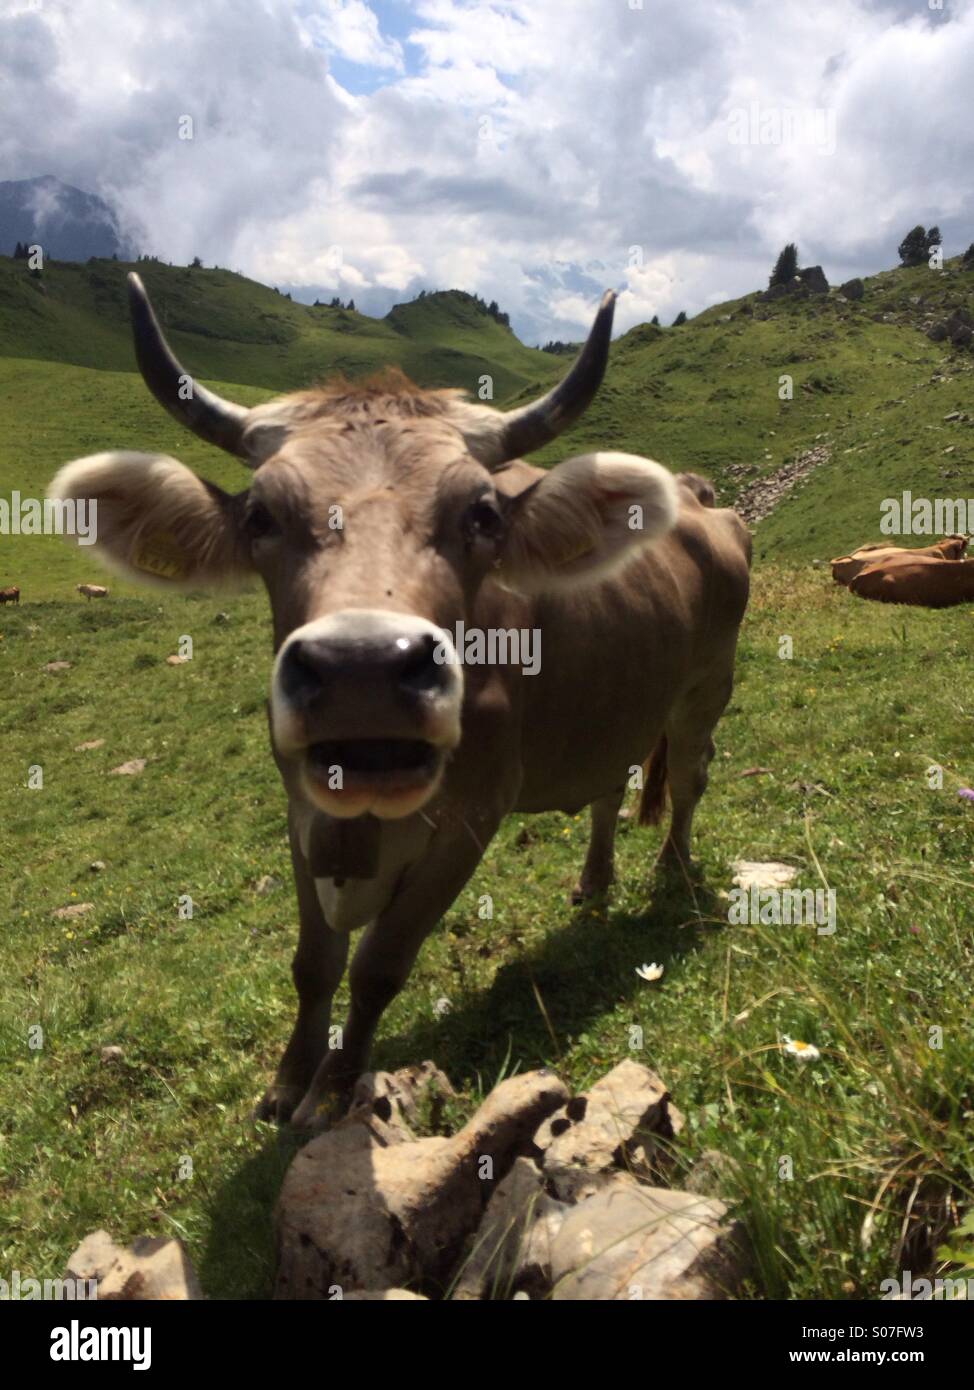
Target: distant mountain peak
[[70, 224]]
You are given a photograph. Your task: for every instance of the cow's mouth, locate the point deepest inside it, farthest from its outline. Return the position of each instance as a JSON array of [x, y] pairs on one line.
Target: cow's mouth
[[382, 763]]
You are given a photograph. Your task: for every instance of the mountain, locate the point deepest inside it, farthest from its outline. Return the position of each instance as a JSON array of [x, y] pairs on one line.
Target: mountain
[[69, 224]]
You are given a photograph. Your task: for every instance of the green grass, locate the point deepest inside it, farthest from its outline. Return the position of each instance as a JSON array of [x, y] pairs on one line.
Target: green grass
[[878, 1131], [202, 1007]]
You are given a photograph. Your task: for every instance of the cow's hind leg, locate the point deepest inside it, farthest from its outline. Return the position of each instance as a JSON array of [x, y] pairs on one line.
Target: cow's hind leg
[[689, 750], [318, 966], [597, 871]]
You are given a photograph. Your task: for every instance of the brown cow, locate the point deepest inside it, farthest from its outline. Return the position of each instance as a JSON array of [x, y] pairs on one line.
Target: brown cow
[[388, 524], [925, 581], [91, 591], [846, 567], [11, 595]]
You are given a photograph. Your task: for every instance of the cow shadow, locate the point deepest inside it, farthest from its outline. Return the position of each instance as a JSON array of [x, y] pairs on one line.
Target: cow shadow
[[539, 999], [547, 994]]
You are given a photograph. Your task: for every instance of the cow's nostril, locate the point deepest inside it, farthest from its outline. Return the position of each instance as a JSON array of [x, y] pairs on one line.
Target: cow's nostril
[[305, 669], [418, 667]]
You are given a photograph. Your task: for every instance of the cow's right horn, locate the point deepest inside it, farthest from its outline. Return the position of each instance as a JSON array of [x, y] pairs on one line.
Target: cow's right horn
[[527, 428], [217, 421]]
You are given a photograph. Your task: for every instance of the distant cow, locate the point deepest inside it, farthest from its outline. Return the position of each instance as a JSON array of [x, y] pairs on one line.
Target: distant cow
[[846, 567], [925, 581], [91, 591], [11, 595]]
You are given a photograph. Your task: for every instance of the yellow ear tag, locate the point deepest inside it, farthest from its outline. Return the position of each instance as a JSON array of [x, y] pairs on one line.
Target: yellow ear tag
[[162, 555]]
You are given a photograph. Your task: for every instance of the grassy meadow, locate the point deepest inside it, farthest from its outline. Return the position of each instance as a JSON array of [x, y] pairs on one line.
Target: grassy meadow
[[822, 762]]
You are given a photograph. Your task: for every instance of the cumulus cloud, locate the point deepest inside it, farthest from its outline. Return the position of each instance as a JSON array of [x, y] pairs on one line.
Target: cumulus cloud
[[531, 151]]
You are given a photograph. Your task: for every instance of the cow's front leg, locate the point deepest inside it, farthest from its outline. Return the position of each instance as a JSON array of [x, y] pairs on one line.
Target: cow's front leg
[[599, 862], [318, 966], [385, 956]]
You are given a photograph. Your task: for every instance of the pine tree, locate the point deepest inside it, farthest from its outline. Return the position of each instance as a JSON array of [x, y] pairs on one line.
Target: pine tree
[[915, 247], [680, 319], [786, 266]]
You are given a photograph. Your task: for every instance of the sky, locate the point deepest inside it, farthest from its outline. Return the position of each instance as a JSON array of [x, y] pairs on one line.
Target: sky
[[535, 152]]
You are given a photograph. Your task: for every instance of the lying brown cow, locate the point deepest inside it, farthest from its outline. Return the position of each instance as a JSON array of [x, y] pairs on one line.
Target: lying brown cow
[[11, 595], [846, 567], [91, 591], [388, 524], [925, 581]]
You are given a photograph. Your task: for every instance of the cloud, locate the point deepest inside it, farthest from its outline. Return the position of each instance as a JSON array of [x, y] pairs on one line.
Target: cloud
[[531, 151]]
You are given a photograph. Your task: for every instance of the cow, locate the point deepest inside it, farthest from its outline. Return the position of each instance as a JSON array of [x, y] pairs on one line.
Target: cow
[[11, 595], [91, 591], [387, 523], [846, 567], [926, 581]]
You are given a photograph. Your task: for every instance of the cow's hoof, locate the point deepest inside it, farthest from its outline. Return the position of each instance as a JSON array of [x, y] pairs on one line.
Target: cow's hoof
[[317, 1112], [277, 1104], [587, 892]]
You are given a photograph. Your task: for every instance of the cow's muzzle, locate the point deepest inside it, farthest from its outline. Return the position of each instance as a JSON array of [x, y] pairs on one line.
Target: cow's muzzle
[[367, 703]]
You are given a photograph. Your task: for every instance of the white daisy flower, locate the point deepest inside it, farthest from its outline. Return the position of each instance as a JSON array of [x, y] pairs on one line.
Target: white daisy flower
[[442, 1006], [805, 1052], [650, 972]]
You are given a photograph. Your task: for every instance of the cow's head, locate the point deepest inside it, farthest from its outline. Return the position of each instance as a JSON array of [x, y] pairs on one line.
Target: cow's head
[[374, 515]]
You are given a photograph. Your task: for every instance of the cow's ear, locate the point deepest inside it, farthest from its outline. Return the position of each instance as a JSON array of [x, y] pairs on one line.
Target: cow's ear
[[584, 519], [153, 520]]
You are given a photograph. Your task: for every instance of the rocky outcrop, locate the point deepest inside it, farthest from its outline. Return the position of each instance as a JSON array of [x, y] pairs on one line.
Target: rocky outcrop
[[540, 1195]]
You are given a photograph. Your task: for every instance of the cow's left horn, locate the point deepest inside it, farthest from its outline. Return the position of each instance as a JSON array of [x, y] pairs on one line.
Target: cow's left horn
[[523, 430], [217, 421]]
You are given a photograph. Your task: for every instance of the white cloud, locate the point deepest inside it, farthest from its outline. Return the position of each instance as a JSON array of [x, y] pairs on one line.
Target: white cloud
[[516, 148]]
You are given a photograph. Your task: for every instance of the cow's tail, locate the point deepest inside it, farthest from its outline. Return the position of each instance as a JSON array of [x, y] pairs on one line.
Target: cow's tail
[[653, 799]]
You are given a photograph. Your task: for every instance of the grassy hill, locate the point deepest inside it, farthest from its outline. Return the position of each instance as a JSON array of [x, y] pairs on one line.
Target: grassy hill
[[822, 762]]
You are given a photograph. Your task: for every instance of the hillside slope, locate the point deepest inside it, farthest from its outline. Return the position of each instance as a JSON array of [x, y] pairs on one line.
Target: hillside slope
[[228, 328]]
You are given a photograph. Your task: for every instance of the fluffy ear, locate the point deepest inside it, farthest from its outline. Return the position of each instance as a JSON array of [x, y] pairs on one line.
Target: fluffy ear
[[154, 520], [584, 519]]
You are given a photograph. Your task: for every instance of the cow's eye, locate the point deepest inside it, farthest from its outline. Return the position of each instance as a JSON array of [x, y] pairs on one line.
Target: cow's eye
[[483, 519], [259, 522]]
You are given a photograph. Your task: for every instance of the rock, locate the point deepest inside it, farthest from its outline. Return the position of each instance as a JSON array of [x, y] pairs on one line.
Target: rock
[[618, 1123], [130, 769], [813, 278], [937, 332], [266, 884], [222, 618], [359, 1211], [762, 874], [53, 666], [635, 1242], [775, 292], [96, 866], [710, 1175], [852, 289], [112, 1053], [176, 660], [962, 336], [512, 1247], [959, 318], [395, 1097], [92, 743], [73, 910], [153, 1267], [377, 1295]]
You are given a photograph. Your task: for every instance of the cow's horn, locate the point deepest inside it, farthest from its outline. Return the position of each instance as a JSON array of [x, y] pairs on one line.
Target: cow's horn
[[217, 421], [523, 430]]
